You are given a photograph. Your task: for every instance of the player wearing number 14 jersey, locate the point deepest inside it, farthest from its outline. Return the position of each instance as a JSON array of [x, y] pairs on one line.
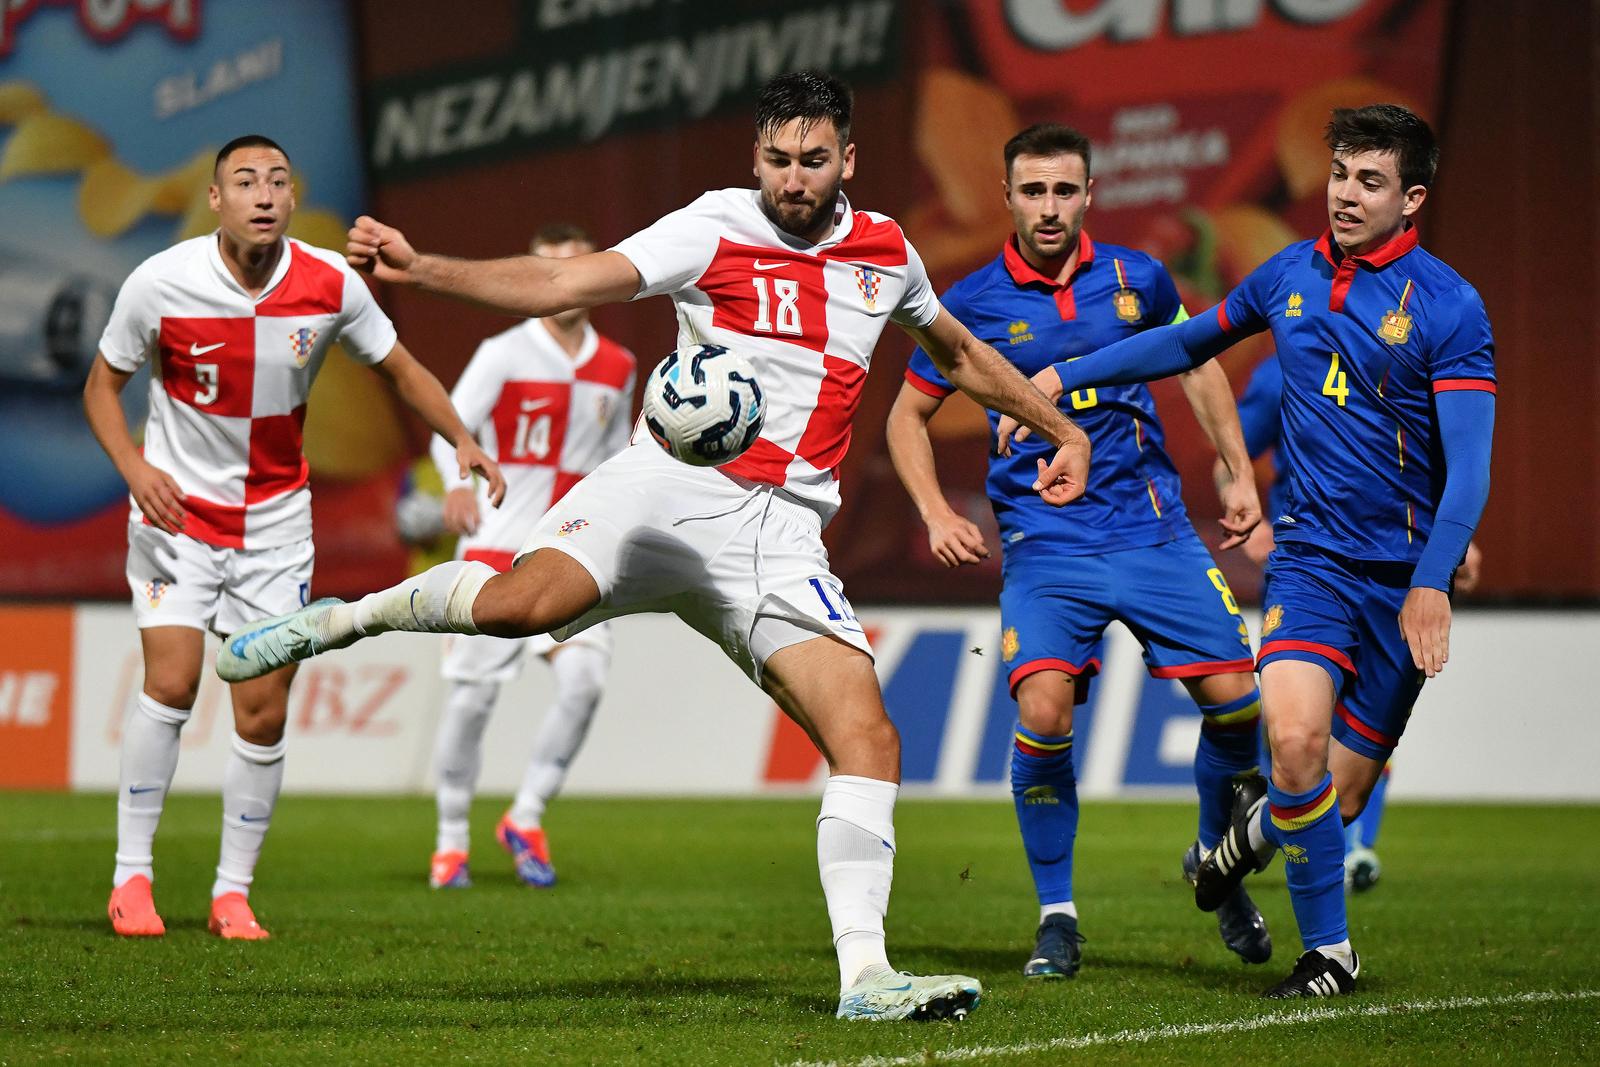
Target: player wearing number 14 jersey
[[550, 398], [1388, 417], [794, 277]]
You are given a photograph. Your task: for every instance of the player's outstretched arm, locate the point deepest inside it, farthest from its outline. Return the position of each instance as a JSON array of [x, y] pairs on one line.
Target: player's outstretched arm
[[1465, 420], [1144, 357], [154, 490], [954, 538], [530, 286], [422, 392], [1211, 397], [983, 374]]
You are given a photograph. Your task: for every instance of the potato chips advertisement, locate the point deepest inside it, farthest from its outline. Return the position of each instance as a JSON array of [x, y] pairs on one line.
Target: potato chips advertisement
[[111, 114]]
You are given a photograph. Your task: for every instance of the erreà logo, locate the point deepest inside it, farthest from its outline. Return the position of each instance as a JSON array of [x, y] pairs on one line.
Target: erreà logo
[[107, 20], [1294, 854], [1040, 794], [1019, 332], [1293, 310]]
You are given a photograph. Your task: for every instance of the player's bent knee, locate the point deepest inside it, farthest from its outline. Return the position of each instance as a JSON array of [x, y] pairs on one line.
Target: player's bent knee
[[1045, 702], [172, 692], [546, 591], [1299, 758]]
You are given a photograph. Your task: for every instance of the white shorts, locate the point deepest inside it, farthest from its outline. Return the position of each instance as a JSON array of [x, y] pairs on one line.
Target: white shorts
[[482, 658], [742, 563], [178, 581]]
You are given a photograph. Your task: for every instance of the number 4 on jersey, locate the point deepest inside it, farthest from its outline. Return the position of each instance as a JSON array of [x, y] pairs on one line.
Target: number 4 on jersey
[[1335, 385]]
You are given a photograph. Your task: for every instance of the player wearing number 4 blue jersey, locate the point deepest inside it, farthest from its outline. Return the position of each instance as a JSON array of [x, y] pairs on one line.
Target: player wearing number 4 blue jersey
[[1126, 551], [1388, 415]]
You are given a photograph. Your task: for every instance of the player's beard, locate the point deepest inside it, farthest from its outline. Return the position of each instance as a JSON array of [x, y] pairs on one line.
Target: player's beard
[[802, 224], [1072, 233]]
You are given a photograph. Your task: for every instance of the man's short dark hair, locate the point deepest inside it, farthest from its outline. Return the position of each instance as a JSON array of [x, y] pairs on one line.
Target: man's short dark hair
[[249, 140], [1387, 128], [560, 233], [808, 95], [1047, 139]]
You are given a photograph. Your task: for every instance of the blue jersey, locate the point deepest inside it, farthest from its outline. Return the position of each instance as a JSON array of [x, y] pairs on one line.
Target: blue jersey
[[1260, 416], [1364, 343], [1133, 499]]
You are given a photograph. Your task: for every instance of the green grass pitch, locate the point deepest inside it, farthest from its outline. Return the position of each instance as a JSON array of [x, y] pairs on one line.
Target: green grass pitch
[[693, 931]]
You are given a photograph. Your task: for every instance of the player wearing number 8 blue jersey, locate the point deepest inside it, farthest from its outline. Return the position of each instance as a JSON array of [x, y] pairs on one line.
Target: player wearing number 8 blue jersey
[[1388, 415], [1126, 551]]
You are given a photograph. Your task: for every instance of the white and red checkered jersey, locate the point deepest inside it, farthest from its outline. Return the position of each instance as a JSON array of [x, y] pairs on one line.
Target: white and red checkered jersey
[[807, 316], [547, 417], [230, 377]]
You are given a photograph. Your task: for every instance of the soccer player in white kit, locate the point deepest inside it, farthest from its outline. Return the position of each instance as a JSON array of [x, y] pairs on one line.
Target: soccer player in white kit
[[802, 283], [550, 398], [235, 325]]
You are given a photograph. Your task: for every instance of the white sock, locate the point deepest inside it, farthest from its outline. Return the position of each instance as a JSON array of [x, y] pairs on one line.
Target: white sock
[[1064, 907], [580, 672], [458, 755], [1342, 953], [150, 735], [1258, 837], [437, 601], [251, 780], [855, 854]]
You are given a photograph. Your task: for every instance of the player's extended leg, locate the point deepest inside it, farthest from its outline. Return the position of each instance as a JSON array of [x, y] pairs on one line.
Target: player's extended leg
[[1304, 823], [831, 691], [458, 756], [1227, 751], [580, 671], [1044, 790], [251, 780], [548, 589], [150, 738]]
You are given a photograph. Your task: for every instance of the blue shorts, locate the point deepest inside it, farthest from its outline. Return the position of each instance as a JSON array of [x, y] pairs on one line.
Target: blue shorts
[[1054, 609], [1344, 615]]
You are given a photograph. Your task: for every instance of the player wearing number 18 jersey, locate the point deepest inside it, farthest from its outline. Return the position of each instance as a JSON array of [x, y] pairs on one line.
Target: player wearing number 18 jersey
[[1388, 416], [794, 277]]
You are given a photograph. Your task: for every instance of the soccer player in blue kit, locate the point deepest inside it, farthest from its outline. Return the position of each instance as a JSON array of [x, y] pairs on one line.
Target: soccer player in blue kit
[[1125, 551], [1388, 418], [1260, 416]]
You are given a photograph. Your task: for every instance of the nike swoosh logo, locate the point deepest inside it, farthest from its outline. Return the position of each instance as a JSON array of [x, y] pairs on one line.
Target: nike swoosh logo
[[143, 788], [238, 643], [412, 604], [246, 818], [758, 265], [898, 988], [535, 405], [196, 350]]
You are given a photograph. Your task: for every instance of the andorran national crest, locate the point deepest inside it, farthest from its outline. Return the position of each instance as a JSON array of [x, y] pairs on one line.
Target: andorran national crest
[[1273, 620], [869, 281], [1009, 644], [302, 341], [1126, 301], [1395, 327]]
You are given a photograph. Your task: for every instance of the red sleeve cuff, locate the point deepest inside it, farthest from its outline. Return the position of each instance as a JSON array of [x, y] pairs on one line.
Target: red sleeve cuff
[[921, 384], [1450, 385], [1222, 316]]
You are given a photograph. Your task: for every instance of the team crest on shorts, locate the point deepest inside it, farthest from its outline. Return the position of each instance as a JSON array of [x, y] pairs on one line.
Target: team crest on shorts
[[571, 526], [1009, 644], [1126, 301], [301, 342], [155, 589], [1273, 620], [868, 281]]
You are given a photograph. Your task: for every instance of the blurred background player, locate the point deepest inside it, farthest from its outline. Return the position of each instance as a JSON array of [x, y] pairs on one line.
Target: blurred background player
[[236, 325], [550, 399], [1388, 422], [792, 276], [1260, 414], [1126, 551]]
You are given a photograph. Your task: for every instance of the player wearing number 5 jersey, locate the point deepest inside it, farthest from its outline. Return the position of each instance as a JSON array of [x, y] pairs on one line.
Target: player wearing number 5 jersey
[[1126, 551], [802, 283], [550, 399], [234, 326], [1388, 416]]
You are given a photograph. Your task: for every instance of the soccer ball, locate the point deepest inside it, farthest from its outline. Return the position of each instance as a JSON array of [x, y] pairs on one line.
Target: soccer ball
[[703, 405]]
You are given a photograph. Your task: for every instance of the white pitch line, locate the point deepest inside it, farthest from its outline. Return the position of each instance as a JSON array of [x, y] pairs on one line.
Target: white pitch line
[[1160, 1033]]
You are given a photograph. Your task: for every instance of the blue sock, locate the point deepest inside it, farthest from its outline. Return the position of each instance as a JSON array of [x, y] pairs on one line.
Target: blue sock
[[1046, 794], [1227, 746], [1363, 833], [1306, 827]]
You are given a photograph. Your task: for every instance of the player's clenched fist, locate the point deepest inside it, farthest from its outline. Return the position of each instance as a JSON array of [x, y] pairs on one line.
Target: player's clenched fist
[[379, 250]]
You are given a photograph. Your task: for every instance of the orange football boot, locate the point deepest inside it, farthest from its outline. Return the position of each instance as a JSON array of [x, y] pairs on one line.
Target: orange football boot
[[449, 871], [133, 909], [530, 852], [232, 919]]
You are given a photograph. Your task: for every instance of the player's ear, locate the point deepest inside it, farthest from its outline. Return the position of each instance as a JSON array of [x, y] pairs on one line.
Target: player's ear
[[214, 197], [849, 162], [1088, 193], [755, 158], [1414, 198]]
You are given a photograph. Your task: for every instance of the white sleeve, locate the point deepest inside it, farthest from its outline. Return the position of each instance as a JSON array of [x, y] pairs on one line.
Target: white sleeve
[[365, 331], [676, 249], [134, 327], [919, 305], [473, 398], [620, 432]]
